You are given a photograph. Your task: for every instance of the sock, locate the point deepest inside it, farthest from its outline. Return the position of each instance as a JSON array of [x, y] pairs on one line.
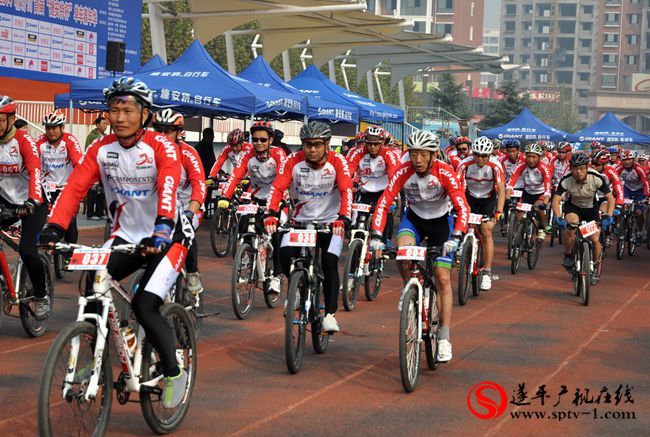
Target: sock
[[443, 333], [172, 373]]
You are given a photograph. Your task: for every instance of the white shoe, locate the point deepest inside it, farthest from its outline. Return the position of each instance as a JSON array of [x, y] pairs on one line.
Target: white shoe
[[194, 284], [444, 351], [366, 269], [274, 285], [541, 235], [486, 281], [330, 324]]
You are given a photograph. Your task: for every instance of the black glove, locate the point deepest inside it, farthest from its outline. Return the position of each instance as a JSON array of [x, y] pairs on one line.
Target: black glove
[[27, 208], [51, 233], [346, 222], [542, 207]]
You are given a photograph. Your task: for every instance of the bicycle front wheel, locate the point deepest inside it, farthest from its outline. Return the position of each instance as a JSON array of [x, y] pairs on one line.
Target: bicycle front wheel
[[464, 272], [58, 261], [409, 345], [27, 307], [192, 304], [431, 337], [534, 248], [62, 407], [351, 280], [631, 236], [512, 225], [220, 233], [585, 273], [372, 282], [516, 249], [319, 338], [244, 281], [295, 320], [163, 420]]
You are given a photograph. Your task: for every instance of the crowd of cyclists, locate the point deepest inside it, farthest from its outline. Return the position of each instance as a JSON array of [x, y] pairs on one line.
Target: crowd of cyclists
[[155, 192]]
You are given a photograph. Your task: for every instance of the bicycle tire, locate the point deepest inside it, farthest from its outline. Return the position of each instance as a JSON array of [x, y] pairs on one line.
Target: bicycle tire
[[295, 320], [431, 338], [620, 239], [464, 273], [372, 282], [242, 286], [220, 233], [55, 369], [631, 236], [165, 420], [477, 279], [535, 247], [554, 228], [516, 249], [26, 308], [319, 339], [585, 273], [350, 294], [409, 348], [58, 262], [512, 228], [182, 296]]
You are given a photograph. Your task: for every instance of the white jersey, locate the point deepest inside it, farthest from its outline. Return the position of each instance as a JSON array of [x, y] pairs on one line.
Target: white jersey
[[58, 161], [480, 182], [20, 170]]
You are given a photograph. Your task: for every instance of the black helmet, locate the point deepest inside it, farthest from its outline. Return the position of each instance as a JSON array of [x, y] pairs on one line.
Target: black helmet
[[579, 159], [315, 130]]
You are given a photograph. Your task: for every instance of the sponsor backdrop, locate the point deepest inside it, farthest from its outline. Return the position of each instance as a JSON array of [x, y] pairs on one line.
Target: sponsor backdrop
[[58, 40]]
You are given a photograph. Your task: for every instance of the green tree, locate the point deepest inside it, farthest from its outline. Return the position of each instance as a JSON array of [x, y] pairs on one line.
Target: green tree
[[451, 96], [178, 32], [502, 111]]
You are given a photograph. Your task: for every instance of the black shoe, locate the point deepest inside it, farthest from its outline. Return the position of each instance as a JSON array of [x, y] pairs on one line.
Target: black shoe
[[41, 308], [567, 263]]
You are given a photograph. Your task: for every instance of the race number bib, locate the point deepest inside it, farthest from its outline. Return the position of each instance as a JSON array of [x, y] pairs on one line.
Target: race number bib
[[246, 195], [589, 229], [524, 206], [411, 253], [247, 209], [360, 207], [89, 259], [517, 193], [475, 219], [302, 238]]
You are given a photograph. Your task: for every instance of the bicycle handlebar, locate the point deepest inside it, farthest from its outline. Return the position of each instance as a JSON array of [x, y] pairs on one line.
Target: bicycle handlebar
[[69, 247]]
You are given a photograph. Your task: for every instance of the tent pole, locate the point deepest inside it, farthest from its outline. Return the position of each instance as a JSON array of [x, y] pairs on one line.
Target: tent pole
[[332, 72], [286, 65], [402, 97], [371, 91], [230, 53], [157, 30], [71, 116]]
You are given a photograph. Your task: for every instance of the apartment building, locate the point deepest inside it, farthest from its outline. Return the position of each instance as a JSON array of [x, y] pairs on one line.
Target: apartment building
[[490, 47]]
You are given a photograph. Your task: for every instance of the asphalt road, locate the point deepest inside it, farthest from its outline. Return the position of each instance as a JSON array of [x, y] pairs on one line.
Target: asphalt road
[[529, 329]]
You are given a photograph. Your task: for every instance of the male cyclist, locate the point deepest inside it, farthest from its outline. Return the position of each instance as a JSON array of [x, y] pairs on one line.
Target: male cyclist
[[261, 163], [486, 195], [429, 185], [537, 183], [20, 187], [140, 170], [320, 188], [635, 183], [463, 145], [560, 163], [191, 188], [233, 151], [60, 153], [581, 186]]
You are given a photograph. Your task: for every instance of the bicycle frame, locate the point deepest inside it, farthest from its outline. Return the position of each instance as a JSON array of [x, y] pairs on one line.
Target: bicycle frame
[[420, 276], [260, 243], [361, 233], [12, 287]]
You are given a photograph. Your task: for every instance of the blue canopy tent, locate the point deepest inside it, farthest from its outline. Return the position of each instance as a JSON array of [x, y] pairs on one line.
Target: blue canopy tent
[[525, 127], [609, 130], [195, 84], [260, 72], [313, 82]]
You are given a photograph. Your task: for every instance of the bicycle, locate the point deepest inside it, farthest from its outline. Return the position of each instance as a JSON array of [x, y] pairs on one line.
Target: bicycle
[[512, 219], [470, 261], [77, 380], [525, 238], [17, 288], [419, 313], [583, 263], [305, 298], [360, 262], [556, 231], [51, 191], [253, 263]]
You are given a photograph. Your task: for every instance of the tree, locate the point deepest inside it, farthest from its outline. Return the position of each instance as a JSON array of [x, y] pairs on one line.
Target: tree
[[451, 96], [502, 111]]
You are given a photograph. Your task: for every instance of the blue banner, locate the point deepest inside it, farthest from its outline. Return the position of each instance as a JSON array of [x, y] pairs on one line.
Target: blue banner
[[58, 40]]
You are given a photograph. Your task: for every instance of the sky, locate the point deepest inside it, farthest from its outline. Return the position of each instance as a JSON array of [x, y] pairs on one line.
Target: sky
[[492, 14]]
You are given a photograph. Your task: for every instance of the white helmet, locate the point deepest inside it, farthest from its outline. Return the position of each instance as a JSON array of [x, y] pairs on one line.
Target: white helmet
[[534, 148], [423, 140], [482, 146]]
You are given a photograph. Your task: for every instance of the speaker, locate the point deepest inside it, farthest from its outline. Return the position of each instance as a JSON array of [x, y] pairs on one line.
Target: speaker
[[115, 53]]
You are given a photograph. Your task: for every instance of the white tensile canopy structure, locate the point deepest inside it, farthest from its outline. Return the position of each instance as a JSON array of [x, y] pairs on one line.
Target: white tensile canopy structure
[[329, 29]]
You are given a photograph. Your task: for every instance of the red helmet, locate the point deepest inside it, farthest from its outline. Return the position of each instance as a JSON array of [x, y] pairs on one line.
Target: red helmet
[[7, 105], [236, 136], [564, 146], [375, 134], [263, 125], [601, 157], [463, 140], [595, 145], [628, 154], [360, 137]]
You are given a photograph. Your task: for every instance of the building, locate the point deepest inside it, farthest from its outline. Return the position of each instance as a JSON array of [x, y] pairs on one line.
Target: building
[[490, 47]]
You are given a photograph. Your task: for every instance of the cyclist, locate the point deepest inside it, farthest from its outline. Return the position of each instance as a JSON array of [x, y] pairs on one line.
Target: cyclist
[[140, 170], [20, 186], [581, 186], [236, 146], [560, 163], [512, 158], [429, 185], [320, 187], [485, 192], [463, 145], [536, 185], [635, 183], [60, 153], [595, 146], [643, 162], [191, 188], [261, 163], [546, 156], [600, 163]]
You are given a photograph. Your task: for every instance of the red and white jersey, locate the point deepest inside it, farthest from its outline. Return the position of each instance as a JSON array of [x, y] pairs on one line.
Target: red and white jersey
[[509, 166], [58, 161], [397, 154], [614, 182], [261, 173], [319, 195], [230, 155], [455, 160], [479, 182], [634, 178], [428, 196], [546, 159], [140, 184], [537, 180], [20, 170], [451, 150], [373, 173], [192, 183], [559, 168]]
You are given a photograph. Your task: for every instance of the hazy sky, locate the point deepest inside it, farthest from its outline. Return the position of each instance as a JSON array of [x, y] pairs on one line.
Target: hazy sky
[[492, 15]]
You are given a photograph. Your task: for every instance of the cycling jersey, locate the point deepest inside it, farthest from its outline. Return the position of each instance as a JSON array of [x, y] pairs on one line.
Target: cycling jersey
[[262, 173], [192, 182], [427, 196], [320, 195], [583, 195], [20, 170], [140, 184], [479, 182], [634, 178], [614, 183], [228, 153], [537, 180], [454, 161], [373, 173], [559, 169], [509, 166], [58, 161], [546, 159]]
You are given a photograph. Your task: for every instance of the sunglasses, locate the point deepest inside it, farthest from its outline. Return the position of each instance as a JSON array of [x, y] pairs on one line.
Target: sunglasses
[[462, 150], [478, 155], [313, 145], [259, 140]]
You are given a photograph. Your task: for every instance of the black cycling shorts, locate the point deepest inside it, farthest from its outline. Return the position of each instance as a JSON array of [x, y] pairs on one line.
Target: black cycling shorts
[[484, 206], [584, 214], [527, 197]]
